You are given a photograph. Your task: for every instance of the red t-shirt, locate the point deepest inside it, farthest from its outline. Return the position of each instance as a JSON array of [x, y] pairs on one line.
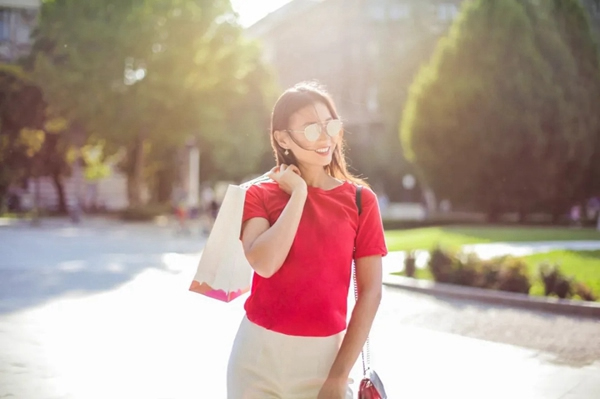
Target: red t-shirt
[[308, 295]]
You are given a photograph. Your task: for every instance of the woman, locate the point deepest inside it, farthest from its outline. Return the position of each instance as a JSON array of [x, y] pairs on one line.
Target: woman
[[300, 232]]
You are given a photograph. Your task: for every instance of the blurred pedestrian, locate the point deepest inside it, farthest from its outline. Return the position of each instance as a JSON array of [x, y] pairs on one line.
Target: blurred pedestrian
[[301, 232], [576, 215], [180, 206]]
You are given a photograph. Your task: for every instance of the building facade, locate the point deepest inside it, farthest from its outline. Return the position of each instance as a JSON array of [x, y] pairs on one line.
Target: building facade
[[348, 46], [593, 7], [17, 21], [339, 43]]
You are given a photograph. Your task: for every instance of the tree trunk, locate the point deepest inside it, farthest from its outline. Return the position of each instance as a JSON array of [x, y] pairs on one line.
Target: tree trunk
[[60, 192], [135, 175], [3, 192]]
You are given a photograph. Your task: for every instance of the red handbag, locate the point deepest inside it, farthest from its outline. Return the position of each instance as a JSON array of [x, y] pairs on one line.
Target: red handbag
[[370, 386]]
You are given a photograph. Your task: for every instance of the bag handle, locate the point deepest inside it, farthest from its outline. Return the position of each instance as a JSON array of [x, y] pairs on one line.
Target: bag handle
[[365, 354], [259, 179]]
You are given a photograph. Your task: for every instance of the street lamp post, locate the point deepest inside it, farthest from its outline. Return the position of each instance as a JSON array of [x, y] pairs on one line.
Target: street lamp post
[[193, 194]]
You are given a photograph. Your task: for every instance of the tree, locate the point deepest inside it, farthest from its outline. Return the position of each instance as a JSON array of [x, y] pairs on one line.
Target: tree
[[568, 125], [21, 118], [575, 29], [487, 122], [397, 67], [149, 75], [52, 157]]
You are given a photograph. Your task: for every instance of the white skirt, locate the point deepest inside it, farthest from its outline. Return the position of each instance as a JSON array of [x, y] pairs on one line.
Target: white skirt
[[268, 365]]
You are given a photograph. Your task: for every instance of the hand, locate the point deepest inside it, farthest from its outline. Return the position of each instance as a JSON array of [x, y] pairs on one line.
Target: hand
[[289, 178], [334, 389]]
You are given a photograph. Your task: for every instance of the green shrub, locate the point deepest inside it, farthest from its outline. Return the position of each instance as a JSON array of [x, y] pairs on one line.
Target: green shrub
[[584, 292], [466, 270], [502, 273], [513, 276], [410, 264], [563, 288], [488, 273], [555, 283], [441, 265], [505, 274], [456, 268], [549, 274]]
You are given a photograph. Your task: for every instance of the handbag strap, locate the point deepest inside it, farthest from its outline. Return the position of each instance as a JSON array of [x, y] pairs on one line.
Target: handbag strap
[[365, 354], [259, 179]]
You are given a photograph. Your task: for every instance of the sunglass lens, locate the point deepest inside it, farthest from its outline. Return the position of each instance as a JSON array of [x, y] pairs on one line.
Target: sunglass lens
[[312, 132], [334, 127]]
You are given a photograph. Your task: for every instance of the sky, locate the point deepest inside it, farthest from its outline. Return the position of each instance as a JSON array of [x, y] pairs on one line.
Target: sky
[[251, 11]]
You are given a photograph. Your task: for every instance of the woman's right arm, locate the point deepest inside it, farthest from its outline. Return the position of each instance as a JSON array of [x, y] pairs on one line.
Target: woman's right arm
[[266, 247]]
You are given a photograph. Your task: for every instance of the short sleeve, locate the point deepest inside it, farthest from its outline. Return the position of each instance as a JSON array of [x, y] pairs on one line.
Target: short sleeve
[[254, 204], [370, 238]]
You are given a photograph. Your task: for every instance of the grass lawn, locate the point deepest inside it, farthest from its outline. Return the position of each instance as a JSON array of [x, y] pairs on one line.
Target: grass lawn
[[453, 237], [584, 266]]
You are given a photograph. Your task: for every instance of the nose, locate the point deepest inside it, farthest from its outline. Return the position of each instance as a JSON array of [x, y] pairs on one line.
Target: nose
[[323, 130]]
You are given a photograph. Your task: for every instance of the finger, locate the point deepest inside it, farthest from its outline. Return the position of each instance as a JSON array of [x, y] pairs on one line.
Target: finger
[[282, 167], [295, 169]]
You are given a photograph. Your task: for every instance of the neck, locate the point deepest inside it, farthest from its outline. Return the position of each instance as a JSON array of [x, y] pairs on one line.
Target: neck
[[315, 176]]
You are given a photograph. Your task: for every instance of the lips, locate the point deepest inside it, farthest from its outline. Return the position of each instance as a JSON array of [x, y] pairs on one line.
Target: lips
[[323, 151]]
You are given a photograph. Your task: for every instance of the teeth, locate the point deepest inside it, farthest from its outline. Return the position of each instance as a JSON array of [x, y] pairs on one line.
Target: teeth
[[323, 150]]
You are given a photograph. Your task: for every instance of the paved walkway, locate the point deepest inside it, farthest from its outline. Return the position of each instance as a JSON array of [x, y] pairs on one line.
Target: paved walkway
[[152, 339], [142, 334]]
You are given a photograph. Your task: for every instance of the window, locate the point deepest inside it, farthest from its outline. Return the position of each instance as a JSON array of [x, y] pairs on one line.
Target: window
[[399, 11], [377, 11], [447, 11], [4, 24], [23, 32], [372, 99]]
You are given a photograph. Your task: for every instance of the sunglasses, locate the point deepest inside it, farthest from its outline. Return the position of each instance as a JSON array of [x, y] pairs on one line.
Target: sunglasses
[[313, 131]]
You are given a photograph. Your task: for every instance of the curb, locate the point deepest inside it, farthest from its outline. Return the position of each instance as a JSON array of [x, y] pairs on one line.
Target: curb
[[553, 305]]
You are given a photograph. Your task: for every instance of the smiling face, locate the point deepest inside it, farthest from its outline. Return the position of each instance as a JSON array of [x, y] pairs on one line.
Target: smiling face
[[314, 153]]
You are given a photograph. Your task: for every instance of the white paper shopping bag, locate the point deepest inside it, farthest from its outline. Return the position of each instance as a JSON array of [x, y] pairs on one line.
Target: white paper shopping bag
[[223, 271]]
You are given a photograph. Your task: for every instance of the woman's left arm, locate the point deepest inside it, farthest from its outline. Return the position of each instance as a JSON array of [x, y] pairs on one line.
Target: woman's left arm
[[368, 278]]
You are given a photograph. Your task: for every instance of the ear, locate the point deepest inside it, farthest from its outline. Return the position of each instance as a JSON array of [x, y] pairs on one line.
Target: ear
[[282, 139]]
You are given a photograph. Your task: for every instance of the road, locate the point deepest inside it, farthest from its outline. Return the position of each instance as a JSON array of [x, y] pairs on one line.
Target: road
[[102, 310]]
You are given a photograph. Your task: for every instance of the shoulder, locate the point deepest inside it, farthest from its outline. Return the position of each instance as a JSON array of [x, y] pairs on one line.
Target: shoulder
[[264, 190], [264, 187], [368, 196]]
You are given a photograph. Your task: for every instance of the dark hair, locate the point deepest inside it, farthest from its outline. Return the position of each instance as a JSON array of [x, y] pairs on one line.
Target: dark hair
[[294, 99]]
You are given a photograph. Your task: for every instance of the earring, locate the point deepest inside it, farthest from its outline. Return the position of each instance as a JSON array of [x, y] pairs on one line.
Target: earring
[[287, 152]]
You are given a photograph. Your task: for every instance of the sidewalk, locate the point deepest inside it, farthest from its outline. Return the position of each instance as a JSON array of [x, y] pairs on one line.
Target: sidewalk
[[142, 334], [419, 363], [151, 338]]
